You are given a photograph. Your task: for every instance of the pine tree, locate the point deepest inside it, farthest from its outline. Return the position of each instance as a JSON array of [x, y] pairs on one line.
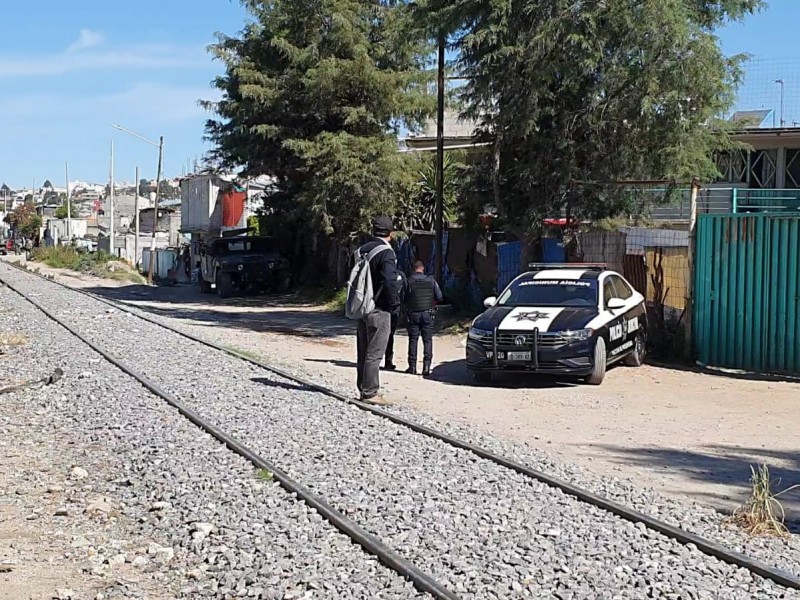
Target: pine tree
[[314, 94], [601, 90]]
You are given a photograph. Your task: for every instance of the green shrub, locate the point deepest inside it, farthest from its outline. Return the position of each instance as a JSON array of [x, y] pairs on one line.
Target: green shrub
[[337, 301], [91, 263]]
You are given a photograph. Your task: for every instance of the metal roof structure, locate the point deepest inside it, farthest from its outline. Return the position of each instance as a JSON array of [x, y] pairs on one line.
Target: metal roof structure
[[751, 118]]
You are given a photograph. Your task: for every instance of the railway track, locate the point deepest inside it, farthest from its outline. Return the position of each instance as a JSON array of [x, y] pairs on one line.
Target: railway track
[[452, 452]]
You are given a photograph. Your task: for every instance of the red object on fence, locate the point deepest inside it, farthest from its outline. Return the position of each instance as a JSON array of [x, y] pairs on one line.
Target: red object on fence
[[560, 222], [233, 207]]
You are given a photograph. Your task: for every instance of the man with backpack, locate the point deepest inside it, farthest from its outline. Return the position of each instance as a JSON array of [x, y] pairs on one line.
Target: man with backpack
[[372, 296]]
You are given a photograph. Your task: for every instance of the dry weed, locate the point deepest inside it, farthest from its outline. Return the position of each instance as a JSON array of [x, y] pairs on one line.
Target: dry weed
[[12, 339], [763, 513]]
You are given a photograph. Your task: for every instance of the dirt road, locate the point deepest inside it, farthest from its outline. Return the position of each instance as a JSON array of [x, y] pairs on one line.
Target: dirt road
[[679, 431]]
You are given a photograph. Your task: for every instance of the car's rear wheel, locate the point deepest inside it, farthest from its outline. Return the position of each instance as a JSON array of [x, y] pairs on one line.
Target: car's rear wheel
[[636, 358], [599, 363], [482, 377], [224, 284], [205, 286]]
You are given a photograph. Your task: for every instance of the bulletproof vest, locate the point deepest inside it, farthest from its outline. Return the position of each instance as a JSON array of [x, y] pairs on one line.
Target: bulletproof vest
[[421, 296]]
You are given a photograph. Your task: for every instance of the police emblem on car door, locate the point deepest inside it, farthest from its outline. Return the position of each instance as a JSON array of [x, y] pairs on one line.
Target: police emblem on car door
[[617, 330], [623, 329]]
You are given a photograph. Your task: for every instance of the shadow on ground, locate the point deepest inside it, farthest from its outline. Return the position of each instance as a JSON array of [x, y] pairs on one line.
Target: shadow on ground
[[726, 373], [456, 373], [727, 466], [276, 313]]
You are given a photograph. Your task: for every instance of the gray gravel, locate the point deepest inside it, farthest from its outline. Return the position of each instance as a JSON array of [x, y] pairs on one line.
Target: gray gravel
[[484, 531], [225, 532]]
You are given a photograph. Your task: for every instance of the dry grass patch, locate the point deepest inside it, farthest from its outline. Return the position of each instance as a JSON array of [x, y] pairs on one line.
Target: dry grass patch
[[763, 513], [12, 339]]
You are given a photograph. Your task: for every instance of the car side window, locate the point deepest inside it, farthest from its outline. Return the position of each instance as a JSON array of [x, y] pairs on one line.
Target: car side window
[[623, 289], [608, 291]]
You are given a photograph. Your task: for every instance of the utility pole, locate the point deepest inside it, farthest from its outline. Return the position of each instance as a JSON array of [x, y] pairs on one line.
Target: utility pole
[[781, 83], [69, 208], [111, 240], [136, 226], [439, 226], [689, 309], [155, 210]]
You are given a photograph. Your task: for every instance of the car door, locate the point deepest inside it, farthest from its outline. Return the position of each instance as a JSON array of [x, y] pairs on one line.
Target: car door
[[617, 333], [630, 314]]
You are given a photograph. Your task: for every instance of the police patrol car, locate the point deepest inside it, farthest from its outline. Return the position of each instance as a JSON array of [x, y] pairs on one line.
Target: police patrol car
[[570, 319]]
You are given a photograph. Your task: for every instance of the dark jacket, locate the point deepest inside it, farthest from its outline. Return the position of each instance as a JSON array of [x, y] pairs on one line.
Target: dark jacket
[[402, 289], [383, 269], [421, 277]]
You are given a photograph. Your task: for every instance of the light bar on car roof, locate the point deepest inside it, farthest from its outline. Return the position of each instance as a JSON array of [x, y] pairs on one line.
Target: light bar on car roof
[[587, 266]]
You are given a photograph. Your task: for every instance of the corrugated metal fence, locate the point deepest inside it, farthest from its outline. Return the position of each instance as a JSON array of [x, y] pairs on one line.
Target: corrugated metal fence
[[509, 259], [747, 306]]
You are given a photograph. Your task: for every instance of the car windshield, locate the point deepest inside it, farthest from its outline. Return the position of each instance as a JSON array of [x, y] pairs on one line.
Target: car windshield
[[244, 245], [551, 292]]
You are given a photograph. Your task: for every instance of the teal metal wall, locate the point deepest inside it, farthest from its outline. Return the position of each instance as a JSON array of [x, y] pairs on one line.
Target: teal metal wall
[[747, 298], [766, 201]]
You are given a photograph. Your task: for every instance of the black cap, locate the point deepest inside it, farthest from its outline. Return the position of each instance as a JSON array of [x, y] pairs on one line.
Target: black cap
[[382, 226]]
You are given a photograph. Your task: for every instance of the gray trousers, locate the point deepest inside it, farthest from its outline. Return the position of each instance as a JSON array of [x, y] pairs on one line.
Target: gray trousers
[[372, 337]]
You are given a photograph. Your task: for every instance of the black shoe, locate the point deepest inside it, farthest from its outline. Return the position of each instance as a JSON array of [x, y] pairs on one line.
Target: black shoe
[[411, 370], [426, 370], [390, 366]]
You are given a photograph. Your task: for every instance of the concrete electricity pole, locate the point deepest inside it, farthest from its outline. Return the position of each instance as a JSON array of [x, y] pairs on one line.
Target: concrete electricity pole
[[69, 208], [160, 146]]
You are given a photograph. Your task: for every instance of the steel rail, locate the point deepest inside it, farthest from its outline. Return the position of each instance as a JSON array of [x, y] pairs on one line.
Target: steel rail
[[371, 544], [709, 547]]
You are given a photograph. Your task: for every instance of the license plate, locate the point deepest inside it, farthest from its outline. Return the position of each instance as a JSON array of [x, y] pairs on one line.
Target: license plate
[[519, 356]]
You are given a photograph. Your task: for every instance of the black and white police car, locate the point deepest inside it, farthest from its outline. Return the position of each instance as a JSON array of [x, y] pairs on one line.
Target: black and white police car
[[559, 319]]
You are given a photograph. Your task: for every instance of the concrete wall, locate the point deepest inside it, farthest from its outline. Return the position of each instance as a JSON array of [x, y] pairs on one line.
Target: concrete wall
[[126, 245], [58, 228]]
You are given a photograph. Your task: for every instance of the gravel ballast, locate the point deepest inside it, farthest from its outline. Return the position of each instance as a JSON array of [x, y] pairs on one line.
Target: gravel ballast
[[222, 530], [484, 531]]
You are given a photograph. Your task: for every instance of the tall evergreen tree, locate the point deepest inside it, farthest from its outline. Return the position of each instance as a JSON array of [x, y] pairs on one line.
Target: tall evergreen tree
[[598, 90], [314, 94]]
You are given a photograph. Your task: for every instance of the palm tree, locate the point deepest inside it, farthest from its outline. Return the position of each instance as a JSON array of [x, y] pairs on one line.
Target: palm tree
[[419, 210]]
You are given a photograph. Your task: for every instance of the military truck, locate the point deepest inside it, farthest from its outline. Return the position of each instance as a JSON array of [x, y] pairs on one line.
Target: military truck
[[241, 265]]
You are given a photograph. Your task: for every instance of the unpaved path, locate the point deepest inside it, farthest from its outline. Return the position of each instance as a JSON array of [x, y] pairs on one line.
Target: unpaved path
[[679, 431]]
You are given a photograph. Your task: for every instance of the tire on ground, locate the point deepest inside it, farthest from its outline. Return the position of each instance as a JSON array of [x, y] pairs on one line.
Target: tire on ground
[[636, 358], [224, 284], [599, 363], [284, 282], [205, 286]]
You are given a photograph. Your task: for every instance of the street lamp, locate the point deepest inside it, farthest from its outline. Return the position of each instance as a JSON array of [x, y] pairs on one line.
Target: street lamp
[[160, 146], [780, 82]]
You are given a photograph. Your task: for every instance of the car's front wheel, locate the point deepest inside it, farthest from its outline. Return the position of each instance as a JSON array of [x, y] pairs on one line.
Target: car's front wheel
[[636, 358], [284, 282], [224, 284], [599, 363]]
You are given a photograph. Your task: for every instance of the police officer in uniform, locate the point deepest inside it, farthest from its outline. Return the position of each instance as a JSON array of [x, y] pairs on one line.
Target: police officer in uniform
[[422, 294], [402, 285]]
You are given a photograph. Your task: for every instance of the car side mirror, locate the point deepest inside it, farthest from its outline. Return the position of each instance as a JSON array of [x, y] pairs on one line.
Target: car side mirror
[[615, 304], [490, 302]]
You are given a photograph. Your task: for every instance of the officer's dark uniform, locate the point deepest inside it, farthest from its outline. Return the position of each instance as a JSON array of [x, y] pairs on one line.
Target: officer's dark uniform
[[422, 294], [402, 286]]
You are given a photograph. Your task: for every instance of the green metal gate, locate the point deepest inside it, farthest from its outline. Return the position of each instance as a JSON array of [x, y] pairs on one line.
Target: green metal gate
[[747, 298]]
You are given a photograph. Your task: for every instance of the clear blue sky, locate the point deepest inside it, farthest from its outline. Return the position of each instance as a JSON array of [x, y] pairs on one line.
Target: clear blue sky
[[69, 69]]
